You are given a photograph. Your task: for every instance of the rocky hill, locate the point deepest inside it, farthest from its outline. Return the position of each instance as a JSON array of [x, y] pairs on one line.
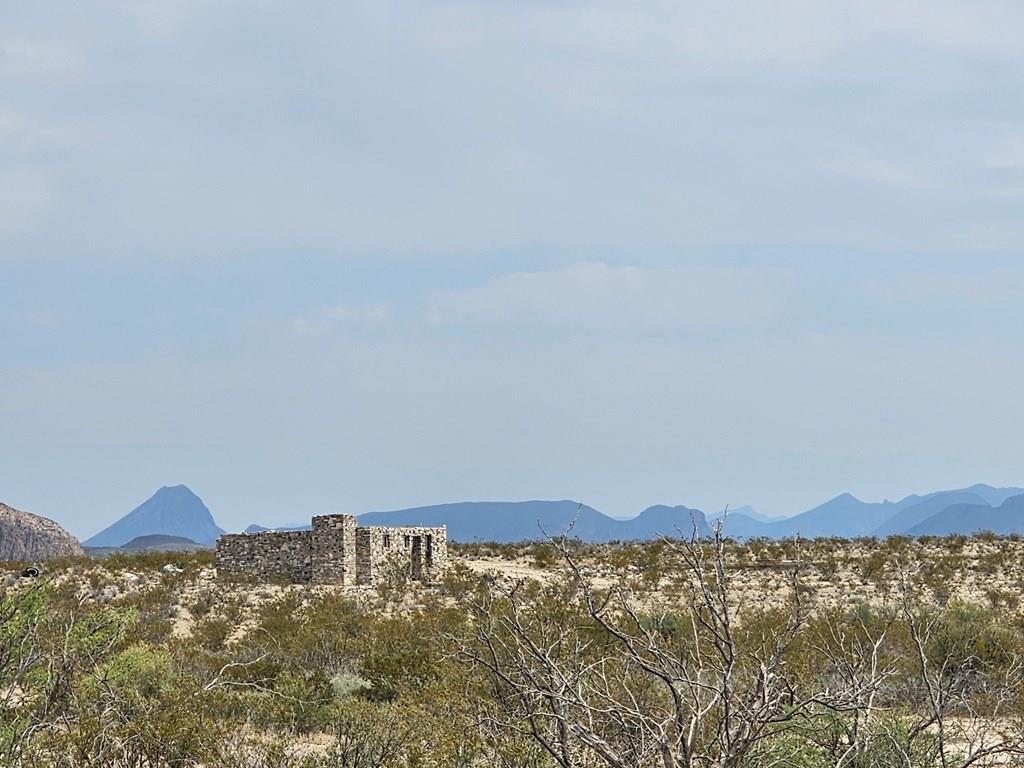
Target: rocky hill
[[25, 537], [159, 542]]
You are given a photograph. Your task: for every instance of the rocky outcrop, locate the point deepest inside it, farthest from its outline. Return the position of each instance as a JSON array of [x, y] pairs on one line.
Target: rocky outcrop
[[25, 537]]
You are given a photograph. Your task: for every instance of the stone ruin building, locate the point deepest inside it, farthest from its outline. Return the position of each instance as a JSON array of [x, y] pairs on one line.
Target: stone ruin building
[[336, 550]]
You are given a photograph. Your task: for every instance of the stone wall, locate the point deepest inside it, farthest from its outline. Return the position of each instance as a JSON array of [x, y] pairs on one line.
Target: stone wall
[[363, 566], [420, 552], [335, 551], [268, 556]]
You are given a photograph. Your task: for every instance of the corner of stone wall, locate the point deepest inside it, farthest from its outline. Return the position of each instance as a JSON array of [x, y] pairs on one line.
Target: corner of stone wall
[[334, 549]]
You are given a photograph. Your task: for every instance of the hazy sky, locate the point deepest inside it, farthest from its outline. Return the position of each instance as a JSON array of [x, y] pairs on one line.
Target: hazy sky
[[324, 256]]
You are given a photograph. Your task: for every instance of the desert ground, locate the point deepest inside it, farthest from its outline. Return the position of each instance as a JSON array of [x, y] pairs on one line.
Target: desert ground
[[901, 652]]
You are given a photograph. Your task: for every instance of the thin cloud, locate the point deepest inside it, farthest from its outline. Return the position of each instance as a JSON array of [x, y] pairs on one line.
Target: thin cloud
[[23, 61], [364, 316], [598, 297], [476, 129], [982, 288]]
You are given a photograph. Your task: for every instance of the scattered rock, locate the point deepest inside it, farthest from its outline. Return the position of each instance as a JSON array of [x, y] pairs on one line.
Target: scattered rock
[[108, 593]]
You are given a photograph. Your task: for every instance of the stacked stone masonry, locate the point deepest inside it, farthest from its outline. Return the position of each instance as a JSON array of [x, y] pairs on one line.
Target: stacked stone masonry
[[335, 551]]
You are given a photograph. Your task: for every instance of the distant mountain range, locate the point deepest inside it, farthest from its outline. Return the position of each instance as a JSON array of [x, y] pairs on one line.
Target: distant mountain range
[[1007, 518], [526, 520], [177, 512], [746, 511], [264, 529], [916, 512], [848, 517], [844, 517], [172, 511]]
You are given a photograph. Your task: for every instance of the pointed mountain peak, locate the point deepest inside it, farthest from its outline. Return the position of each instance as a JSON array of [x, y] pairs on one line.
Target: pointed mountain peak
[[171, 511], [846, 498], [175, 490]]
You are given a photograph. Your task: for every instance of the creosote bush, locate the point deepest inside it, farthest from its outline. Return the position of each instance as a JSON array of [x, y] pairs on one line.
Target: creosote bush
[[647, 655]]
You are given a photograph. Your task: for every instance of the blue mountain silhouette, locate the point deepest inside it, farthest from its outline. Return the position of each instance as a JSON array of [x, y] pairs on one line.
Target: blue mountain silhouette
[[172, 511]]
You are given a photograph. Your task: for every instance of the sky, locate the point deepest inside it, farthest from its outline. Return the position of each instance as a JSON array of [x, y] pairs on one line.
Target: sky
[[351, 256]]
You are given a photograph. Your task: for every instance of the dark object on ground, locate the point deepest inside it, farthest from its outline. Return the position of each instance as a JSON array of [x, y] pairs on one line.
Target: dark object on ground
[[30, 573]]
